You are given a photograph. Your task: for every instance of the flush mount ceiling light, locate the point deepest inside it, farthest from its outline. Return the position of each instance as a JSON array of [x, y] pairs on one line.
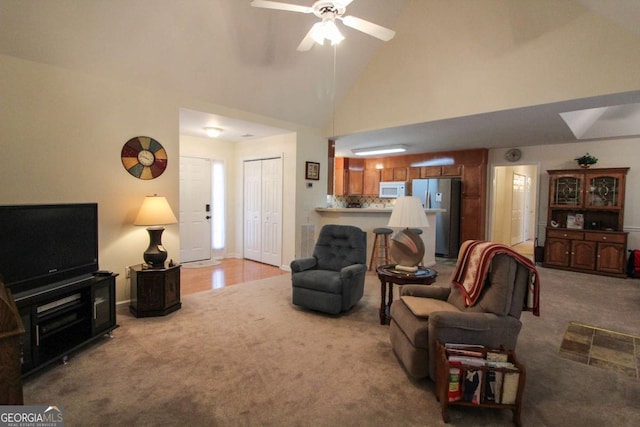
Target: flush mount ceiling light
[[213, 132], [373, 151]]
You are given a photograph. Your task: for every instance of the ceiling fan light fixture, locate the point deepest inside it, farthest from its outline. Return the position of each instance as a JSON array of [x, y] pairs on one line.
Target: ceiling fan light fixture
[[317, 33], [331, 32], [373, 151], [213, 132], [326, 30], [328, 11]]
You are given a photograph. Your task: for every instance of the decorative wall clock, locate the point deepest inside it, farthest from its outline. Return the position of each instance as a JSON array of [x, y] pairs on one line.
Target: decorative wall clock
[[513, 155], [144, 157]]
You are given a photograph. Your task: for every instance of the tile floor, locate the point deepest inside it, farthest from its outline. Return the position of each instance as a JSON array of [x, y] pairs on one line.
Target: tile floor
[[602, 348]]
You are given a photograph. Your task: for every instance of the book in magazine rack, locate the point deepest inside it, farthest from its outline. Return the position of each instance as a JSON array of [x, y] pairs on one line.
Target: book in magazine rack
[[465, 377]]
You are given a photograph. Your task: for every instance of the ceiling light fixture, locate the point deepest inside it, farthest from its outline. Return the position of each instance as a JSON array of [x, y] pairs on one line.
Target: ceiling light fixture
[[213, 132], [326, 29], [372, 151]]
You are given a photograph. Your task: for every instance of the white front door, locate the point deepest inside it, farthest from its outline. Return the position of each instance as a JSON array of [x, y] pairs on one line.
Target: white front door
[[195, 209]]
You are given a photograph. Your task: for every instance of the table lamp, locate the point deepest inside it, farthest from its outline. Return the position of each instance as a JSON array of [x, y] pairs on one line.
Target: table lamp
[[155, 212], [407, 247]]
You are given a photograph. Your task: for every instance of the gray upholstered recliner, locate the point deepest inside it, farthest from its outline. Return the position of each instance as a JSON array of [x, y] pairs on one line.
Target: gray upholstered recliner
[[332, 280], [424, 314]]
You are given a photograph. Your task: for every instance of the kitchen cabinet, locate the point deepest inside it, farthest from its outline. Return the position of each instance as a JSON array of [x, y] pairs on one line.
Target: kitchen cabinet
[[585, 221], [430, 171], [414, 173], [452, 170], [340, 180], [349, 177], [472, 212], [470, 165], [394, 174], [435, 171], [356, 182], [371, 182]]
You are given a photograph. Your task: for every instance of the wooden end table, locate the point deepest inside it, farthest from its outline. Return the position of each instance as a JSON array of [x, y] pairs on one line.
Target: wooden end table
[[154, 291], [388, 275]]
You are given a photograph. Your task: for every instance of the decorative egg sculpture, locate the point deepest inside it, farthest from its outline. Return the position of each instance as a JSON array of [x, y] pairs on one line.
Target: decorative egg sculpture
[[407, 249]]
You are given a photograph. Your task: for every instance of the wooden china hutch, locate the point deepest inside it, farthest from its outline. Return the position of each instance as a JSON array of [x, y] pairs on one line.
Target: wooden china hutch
[[585, 221]]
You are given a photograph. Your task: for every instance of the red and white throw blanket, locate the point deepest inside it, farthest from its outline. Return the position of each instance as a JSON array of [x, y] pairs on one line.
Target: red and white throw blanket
[[474, 261]]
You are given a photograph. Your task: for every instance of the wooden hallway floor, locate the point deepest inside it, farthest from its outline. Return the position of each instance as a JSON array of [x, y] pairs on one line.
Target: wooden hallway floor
[[229, 272]]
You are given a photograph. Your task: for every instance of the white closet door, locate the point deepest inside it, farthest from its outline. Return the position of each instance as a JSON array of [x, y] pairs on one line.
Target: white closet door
[[271, 211], [253, 210], [195, 195], [263, 210]]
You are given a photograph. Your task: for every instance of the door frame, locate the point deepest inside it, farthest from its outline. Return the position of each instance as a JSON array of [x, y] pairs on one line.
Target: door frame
[[496, 187]]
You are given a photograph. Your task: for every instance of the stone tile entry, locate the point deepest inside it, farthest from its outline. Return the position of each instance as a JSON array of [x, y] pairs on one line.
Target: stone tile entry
[[602, 348]]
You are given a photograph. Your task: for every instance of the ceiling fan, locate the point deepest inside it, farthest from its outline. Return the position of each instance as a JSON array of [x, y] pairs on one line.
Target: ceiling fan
[[328, 11]]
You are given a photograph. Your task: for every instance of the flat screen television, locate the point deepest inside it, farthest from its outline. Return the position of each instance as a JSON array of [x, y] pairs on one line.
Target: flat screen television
[[45, 244]]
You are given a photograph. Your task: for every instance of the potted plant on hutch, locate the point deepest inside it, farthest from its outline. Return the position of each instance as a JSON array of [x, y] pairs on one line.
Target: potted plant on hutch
[[586, 160]]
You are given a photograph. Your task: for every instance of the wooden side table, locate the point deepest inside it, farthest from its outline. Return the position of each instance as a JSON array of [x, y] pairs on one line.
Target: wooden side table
[[154, 291], [388, 276]]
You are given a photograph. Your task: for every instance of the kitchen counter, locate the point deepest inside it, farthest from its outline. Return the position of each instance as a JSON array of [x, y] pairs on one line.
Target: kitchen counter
[[369, 218]]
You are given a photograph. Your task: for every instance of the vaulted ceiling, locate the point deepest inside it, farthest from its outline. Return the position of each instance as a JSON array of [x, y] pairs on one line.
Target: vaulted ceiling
[[231, 54]]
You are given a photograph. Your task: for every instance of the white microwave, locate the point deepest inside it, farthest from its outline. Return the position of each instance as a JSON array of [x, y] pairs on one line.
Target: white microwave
[[393, 189]]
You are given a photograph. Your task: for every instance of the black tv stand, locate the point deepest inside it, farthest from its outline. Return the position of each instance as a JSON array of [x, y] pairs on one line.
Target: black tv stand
[[61, 317]]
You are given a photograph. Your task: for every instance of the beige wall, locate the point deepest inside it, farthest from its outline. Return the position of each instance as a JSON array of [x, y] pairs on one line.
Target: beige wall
[[611, 153], [453, 58], [61, 137]]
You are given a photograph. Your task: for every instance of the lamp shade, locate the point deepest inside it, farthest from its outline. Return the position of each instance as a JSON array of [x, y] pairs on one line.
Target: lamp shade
[[155, 210], [408, 212]]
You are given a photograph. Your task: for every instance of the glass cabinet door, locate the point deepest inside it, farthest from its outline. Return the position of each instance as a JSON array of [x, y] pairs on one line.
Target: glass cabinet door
[[566, 190], [103, 295], [603, 192]]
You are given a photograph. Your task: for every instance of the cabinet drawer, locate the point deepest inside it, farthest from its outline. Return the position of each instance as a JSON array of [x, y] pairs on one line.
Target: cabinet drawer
[[565, 234], [606, 237]]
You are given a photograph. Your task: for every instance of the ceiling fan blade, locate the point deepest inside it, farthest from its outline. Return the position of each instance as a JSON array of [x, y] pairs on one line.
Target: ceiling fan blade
[[281, 6], [344, 3], [370, 28], [307, 42]]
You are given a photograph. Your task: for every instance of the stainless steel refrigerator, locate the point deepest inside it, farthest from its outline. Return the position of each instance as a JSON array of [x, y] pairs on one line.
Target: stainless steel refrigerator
[[442, 193]]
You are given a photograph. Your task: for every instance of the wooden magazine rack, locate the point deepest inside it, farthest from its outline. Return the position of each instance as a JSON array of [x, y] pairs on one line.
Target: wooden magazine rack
[[476, 381]]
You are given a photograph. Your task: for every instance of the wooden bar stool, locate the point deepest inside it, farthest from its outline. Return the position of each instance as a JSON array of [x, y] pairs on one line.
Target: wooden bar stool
[[381, 245]]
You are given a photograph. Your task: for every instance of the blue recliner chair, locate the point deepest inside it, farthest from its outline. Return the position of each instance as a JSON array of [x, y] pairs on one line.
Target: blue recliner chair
[[332, 280]]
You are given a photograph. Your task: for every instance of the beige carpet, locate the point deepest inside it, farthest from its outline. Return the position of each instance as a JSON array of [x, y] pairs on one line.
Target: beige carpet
[[244, 356]]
